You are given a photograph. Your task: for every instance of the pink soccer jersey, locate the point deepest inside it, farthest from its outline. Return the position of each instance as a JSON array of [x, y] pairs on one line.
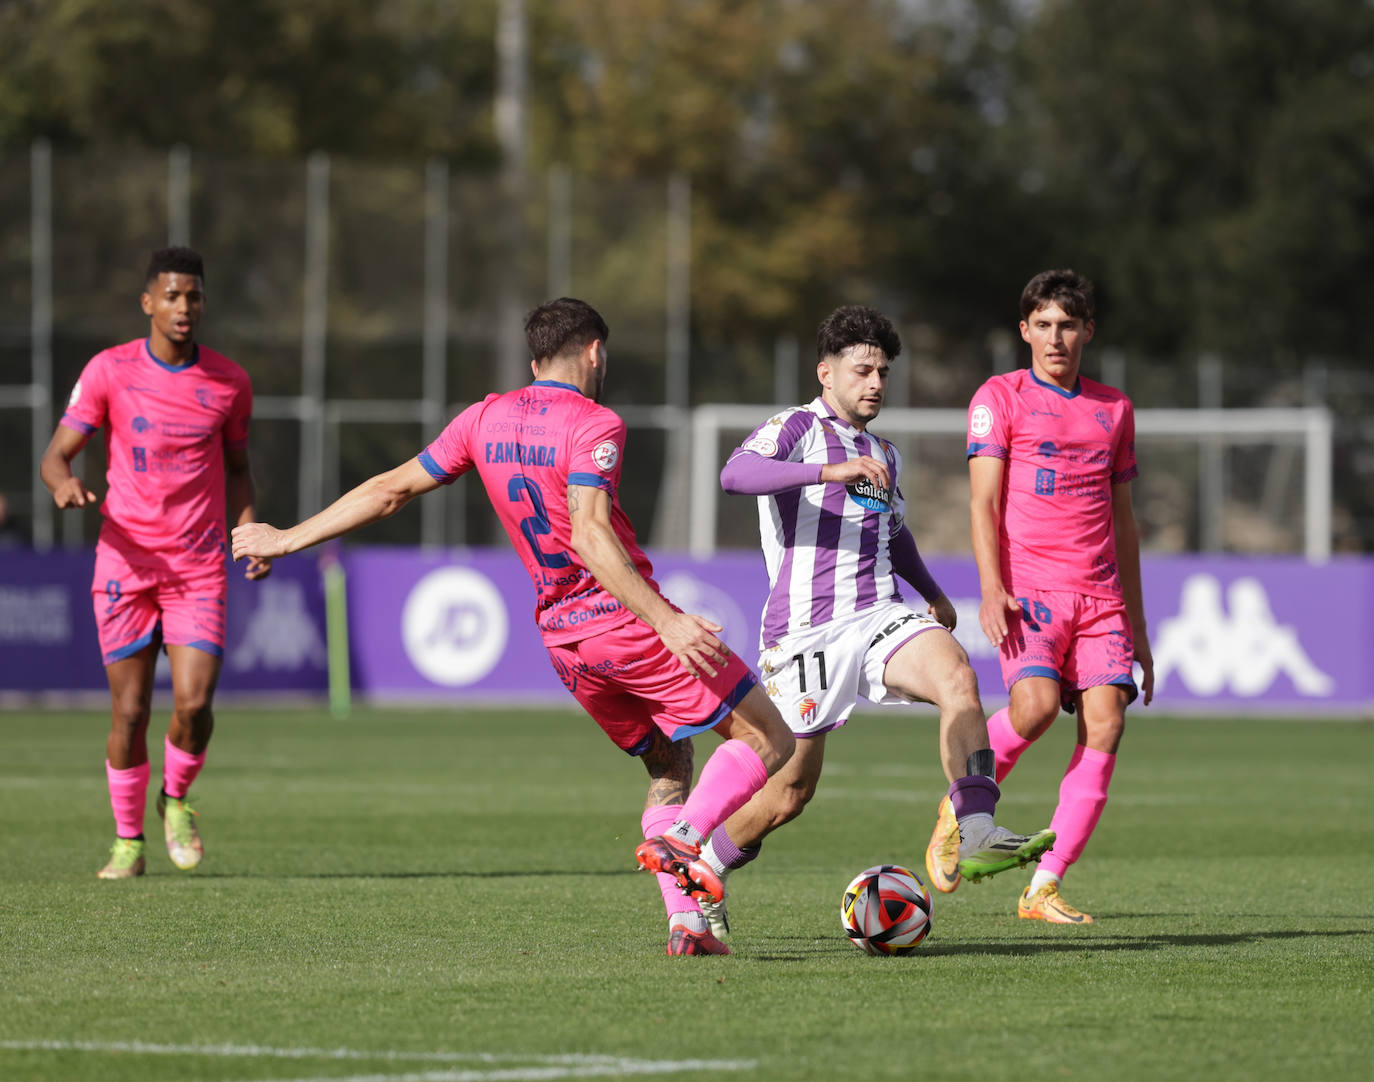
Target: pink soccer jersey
[[1063, 451], [166, 430], [528, 446]]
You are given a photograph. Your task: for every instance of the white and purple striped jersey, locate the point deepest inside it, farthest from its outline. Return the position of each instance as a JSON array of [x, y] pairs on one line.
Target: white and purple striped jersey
[[828, 547]]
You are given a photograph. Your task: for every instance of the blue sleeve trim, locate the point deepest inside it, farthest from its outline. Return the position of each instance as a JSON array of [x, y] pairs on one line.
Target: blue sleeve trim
[[591, 480], [985, 450], [80, 426], [435, 470]]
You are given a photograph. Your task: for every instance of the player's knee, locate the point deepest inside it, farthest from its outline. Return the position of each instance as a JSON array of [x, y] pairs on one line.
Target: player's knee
[[961, 689], [1104, 733], [192, 707], [130, 715]]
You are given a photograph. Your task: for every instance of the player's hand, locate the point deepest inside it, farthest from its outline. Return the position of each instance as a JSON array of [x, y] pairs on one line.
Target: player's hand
[[258, 540], [942, 608], [993, 615], [258, 568], [73, 493], [692, 640], [1146, 661], [857, 469]]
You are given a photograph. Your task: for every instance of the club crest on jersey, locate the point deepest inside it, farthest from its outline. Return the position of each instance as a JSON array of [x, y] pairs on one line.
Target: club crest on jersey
[[141, 424], [205, 397], [807, 708], [869, 495], [1104, 419], [980, 421], [606, 455]]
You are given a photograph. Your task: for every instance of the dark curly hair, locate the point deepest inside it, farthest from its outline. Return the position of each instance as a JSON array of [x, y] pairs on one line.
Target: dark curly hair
[[855, 325], [563, 326], [175, 261]]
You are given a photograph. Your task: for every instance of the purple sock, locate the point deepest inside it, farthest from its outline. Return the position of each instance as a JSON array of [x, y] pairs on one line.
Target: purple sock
[[729, 854], [974, 795]]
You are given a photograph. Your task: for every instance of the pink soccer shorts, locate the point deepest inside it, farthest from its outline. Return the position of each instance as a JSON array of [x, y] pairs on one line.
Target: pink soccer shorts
[[630, 683], [139, 605], [1081, 641]]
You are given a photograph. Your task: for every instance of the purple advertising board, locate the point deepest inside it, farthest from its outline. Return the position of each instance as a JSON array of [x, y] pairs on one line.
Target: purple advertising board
[[1229, 635], [274, 636]]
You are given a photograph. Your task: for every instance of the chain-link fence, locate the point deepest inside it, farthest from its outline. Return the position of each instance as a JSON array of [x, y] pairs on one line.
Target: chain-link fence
[[363, 299]]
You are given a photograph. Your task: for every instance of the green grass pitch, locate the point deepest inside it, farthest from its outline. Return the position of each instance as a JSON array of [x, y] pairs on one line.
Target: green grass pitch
[[451, 895]]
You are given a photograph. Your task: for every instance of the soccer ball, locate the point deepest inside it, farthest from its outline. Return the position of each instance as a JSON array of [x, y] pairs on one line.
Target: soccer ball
[[886, 910]]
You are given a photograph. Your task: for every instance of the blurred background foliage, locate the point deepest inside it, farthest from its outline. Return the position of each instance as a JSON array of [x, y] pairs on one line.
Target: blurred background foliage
[[1209, 163]]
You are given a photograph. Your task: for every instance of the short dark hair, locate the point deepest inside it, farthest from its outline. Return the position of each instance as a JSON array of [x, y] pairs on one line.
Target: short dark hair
[[1066, 288], [856, 325], [175, 261], [563, 326]]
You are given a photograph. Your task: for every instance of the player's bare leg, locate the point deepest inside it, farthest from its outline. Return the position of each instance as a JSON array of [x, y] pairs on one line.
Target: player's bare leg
[[932, 667], [194, 676], [757, 744], [1082, 797], [126, 759]]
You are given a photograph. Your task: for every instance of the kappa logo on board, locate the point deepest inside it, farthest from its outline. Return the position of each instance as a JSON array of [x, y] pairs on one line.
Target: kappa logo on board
[[1235, 645]]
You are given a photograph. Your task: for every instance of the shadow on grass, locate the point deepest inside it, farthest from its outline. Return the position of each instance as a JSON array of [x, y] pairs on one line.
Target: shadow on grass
[[810, 948], [531, 873]]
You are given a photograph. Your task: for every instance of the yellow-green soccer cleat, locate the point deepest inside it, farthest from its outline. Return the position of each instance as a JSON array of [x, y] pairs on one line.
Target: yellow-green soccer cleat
[[942, 854], [1047, 905], [179, 825], [126, 860], [1001, 850]]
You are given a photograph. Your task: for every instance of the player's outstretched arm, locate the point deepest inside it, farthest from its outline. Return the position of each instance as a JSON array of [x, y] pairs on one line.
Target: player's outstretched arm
[[55, 469], [985, 512], [691, 638], [375, 499], [1127, 535]]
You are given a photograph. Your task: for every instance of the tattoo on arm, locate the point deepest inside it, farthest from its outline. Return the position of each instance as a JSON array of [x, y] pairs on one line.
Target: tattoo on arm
[[574, 503]]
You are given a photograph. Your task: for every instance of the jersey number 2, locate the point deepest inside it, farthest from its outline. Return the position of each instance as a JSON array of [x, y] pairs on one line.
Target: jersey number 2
[[536, 525]]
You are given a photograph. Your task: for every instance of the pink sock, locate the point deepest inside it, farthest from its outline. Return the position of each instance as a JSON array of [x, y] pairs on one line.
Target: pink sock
[[730, 777], [179, 769], [654, 822], [1082, 796], [128, 798], [1007, 743]]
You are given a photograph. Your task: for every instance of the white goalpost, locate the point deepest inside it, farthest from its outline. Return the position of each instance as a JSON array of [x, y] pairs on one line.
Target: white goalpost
[[1308, 428]]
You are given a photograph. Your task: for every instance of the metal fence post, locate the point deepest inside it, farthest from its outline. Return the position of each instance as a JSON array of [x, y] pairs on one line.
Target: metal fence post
[[179, 196], [435, 358], [314, 325], [40, 331]]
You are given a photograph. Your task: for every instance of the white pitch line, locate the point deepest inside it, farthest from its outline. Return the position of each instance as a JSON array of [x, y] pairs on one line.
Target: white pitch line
[[536, 1067]]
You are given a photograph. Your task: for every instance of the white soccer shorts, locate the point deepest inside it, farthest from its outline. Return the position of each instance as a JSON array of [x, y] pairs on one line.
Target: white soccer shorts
[[816, 676]]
